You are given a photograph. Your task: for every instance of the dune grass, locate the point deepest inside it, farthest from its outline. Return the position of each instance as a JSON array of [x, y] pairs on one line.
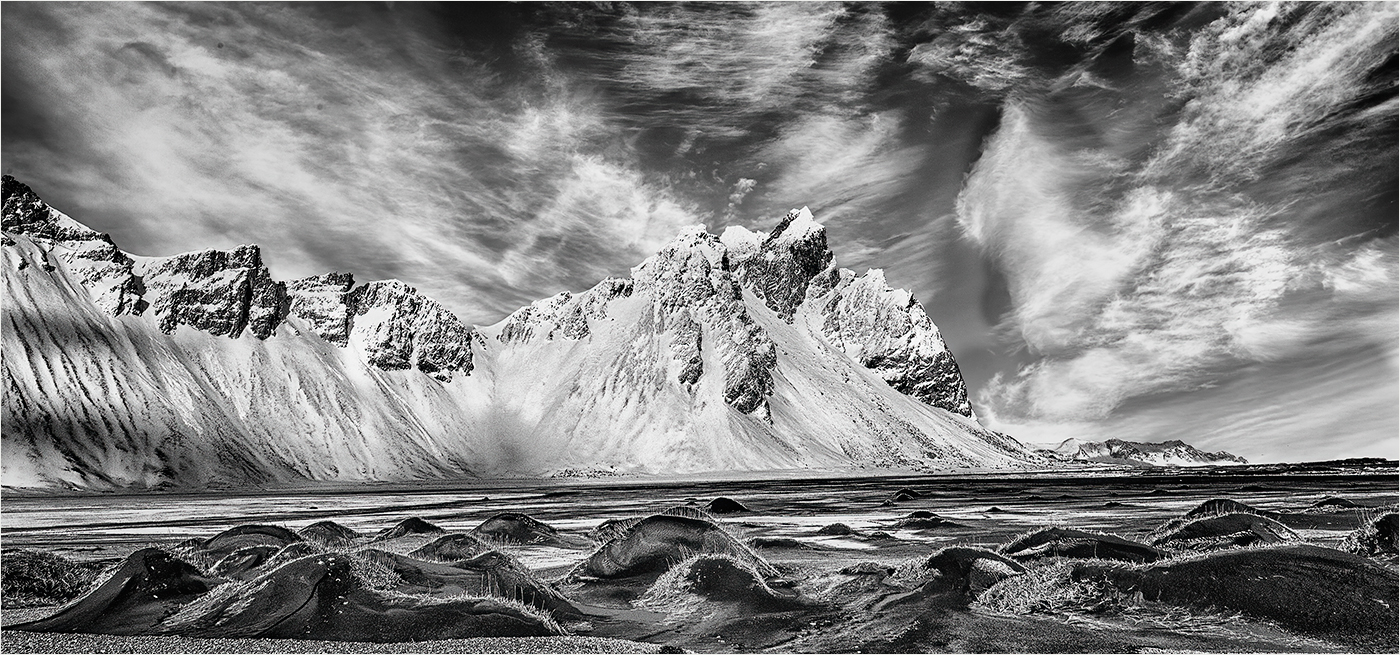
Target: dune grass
[[33, 578]]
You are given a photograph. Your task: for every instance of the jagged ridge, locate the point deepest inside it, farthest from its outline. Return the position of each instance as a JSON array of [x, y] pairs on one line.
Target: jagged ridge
[[737, 352]]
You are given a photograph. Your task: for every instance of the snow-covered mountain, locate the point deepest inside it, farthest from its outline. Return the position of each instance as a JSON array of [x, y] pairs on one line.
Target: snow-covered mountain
[[741, 352], [1117, 451]]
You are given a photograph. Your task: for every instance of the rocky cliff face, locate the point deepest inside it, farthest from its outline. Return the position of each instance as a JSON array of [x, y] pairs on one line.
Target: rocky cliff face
[[91, 256], [886, 330], [216, 291], [694, 293], [323, 302], [398, 328], [227, 292], [741, 352]]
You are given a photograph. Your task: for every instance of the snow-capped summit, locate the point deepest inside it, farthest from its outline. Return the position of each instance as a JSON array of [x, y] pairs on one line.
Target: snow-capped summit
[[720, 353]]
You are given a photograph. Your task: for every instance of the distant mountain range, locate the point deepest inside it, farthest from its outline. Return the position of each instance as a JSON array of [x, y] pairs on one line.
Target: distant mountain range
[[1117, 451], [738, 352]]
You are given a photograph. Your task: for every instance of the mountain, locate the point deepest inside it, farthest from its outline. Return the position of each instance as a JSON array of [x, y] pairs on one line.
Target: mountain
[[1116, 451], [740, 352]]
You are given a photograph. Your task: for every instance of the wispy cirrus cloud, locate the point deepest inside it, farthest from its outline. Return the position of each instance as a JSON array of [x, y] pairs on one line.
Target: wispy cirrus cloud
[[1206, 263]]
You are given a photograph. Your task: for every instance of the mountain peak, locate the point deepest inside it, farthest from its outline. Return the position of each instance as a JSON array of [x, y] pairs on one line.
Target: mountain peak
[[745, 351]]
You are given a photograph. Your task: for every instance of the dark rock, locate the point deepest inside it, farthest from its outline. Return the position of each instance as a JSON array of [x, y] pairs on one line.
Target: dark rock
[[221, 292], [89, 255], [323, 301], [887, 331], [689, 281], [565, 315], [402, 329], [836, 529], [779, 270]]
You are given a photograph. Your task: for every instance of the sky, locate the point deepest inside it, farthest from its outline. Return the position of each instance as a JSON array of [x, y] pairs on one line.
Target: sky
[[1136, 221]]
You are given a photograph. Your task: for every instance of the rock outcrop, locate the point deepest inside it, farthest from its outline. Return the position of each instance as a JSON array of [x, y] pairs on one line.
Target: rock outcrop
[[323, 302], [694, 293], [885, 329], [400, 328], [90, 255], [217, 291]]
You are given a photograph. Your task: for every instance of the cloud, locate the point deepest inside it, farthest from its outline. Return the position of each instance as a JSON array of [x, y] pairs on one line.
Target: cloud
[[482, 191], [1195, 265]]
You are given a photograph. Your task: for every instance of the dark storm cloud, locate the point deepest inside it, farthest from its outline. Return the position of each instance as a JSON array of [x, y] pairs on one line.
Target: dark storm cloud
[[1115, 208]]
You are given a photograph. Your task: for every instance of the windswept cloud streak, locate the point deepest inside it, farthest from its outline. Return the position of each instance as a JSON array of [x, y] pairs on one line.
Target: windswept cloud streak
[[1200, 265]]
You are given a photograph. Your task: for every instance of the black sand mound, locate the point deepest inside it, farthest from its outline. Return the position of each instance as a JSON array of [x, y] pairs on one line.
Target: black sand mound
[[1310, 590], [330, 534], [408, 526], [723, 505], [924, 520], [836, 530], [319, 598], [292, 552], [782, 542], [1218, 506], [37, 578], [146, 588], [451, 547], [1224, 531], [516, 528], [970, 570], [488, 574], [1333, 503], [902, 495], [613, 528], [1067, 542], [718, 578], [656, 542], [1375, 539], [243, 536], [240, 562]]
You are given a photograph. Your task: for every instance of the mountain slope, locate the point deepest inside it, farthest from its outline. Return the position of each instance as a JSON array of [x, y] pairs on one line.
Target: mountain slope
[[201, 368], [1117, 451]]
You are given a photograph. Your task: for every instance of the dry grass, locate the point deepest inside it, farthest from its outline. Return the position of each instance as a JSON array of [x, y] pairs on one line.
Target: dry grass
[[32, 578]]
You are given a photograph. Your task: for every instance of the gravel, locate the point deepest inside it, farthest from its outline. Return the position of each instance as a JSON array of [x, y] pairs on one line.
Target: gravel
[[14, 641]]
